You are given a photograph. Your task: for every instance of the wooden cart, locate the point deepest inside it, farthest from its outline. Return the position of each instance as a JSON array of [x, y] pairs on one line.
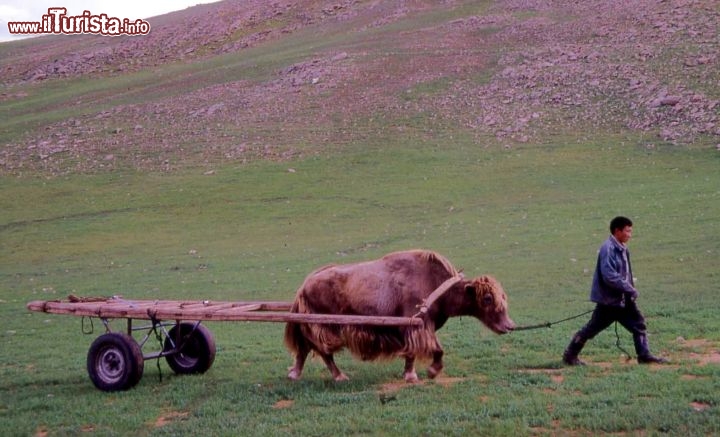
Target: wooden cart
[[115, 360]]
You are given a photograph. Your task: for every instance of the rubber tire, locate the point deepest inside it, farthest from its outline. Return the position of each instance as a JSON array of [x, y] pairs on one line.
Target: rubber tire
[[115, 362], [197, 349]]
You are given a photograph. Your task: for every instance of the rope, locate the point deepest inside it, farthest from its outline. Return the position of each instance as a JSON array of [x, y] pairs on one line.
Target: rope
[[82, 325], [549, 324], [158, 336], [617, 343]]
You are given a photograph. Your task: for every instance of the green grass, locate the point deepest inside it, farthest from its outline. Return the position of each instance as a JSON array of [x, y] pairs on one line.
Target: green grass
[[532, 216]]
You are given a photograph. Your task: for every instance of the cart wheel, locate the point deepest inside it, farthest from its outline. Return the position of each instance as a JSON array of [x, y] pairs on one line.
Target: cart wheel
[[195, 348], [115, 362]]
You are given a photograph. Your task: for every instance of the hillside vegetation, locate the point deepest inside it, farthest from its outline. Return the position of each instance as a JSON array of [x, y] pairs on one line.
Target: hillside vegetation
[[237, 81]]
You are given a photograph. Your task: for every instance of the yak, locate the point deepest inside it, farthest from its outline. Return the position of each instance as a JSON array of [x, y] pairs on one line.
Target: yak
[[395, 285]]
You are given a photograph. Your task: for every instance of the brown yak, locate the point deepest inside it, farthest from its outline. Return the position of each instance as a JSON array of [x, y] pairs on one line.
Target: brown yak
[[394, 285]]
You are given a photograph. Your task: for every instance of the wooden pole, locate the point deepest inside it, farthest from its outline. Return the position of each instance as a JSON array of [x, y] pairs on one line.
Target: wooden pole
[[217, 311], [435, 295]]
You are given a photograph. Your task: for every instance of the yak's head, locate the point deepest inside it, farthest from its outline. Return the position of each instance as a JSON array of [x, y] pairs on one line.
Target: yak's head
[[492, 306]]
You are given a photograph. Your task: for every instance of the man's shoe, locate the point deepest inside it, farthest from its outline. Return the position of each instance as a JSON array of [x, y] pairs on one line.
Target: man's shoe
[[570, 355], [651, 359], [572, 360]]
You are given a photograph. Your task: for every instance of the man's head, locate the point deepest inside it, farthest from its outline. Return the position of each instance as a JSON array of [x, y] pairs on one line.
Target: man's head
[[621, 228]]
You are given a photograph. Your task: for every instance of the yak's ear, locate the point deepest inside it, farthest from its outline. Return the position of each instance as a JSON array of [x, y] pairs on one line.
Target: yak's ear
[[471, 288]]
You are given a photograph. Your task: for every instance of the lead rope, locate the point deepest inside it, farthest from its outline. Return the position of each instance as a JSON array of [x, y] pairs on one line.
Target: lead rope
[[617, 343], [549, 324]]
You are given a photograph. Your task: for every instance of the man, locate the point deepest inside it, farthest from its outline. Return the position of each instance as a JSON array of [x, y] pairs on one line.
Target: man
[[613, 290]]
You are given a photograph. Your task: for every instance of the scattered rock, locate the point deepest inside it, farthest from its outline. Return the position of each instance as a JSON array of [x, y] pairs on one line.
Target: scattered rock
[[215, 108], [665, 101]]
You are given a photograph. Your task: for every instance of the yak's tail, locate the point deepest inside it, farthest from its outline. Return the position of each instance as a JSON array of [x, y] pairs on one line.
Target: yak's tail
[[301, 338], [294, 339]]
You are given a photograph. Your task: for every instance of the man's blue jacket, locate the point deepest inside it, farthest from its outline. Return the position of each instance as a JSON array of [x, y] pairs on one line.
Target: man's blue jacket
[[613, 277]]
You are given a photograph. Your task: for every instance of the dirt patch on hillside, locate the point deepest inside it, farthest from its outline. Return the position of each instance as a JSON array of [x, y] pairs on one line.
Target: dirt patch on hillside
[[169, 417], [701, 350], [708, 358], [283, 403], [700, 406], [390, 388]]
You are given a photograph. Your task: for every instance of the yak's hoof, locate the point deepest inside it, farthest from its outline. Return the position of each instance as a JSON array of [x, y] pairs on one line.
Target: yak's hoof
[[411, 378], [433, 372], [341, 377], [294, 375]]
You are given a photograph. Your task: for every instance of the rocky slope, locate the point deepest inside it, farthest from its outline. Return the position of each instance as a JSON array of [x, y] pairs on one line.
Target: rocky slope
[[506, 72]]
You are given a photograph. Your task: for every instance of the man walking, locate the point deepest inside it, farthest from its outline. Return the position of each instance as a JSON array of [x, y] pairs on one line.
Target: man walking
[[613, 290]]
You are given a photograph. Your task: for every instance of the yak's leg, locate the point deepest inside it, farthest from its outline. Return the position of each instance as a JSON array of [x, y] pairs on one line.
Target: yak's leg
[[297, 368], [409, 373], [437, 364], [333, 368]]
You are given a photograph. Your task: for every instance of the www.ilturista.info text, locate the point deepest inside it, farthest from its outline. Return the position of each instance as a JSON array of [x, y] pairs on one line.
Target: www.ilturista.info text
[[57, 22]]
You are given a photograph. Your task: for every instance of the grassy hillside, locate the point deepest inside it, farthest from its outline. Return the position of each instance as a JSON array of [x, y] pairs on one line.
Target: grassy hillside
[[503, 135], [322, 78]]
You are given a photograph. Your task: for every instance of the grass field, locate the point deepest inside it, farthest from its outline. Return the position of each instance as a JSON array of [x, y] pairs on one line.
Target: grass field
[[532, 216]]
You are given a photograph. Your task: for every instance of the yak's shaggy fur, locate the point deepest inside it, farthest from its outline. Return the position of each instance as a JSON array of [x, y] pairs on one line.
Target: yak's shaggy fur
[[394, 285]]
